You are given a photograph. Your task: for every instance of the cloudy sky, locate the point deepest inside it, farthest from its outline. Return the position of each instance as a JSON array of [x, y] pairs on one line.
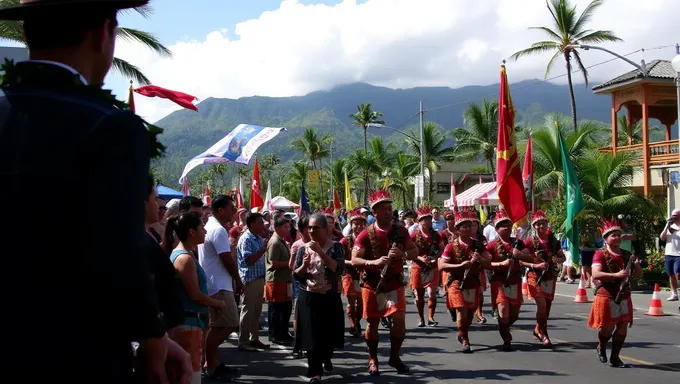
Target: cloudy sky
[[237, 48]]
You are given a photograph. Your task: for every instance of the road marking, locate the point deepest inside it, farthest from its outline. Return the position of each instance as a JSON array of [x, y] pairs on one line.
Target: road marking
[[634, 360], [579, 315]]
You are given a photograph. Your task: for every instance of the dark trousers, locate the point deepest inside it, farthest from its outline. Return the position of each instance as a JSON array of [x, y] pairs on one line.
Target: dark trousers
[[278, 317], [315, 361]]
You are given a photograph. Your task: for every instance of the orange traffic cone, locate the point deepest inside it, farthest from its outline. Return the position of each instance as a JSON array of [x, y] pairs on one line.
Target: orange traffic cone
[[581, 294], [655, 308], [525, 288]]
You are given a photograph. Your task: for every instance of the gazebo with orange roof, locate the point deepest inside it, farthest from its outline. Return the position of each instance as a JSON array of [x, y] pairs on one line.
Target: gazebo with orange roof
[[645, 97]]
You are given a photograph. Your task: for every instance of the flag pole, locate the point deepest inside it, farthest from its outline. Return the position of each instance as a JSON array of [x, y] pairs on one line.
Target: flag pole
[[533, 195]]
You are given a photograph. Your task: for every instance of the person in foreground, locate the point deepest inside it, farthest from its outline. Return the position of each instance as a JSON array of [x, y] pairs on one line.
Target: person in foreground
[[60, 128], [319, 264], [380, 252], [612, 309]]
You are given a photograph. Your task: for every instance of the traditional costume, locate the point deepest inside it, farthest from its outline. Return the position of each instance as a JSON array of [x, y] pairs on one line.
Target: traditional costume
[[382, 289], [426, 275], [351, 286], [541, 284], [506, 283], [463, 286], [607, 312]]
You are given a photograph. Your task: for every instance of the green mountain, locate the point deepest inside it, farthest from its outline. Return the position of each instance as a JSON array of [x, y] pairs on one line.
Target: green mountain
[[188, 133]]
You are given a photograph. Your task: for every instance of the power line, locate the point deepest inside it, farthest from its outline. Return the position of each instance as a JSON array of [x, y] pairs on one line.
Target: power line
[[545, 80]]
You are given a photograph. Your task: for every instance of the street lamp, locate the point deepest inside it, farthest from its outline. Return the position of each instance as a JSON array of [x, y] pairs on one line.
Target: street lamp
[[642, 66], [676, 67], [421, 180]]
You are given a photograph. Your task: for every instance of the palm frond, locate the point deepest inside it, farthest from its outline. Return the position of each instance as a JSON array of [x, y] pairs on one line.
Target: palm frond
[[129, 71], [145, 38]]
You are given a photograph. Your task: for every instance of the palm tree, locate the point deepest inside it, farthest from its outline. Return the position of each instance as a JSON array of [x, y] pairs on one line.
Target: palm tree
[[478, 139], [546, 149], [436, 151], [402, 172], [14, 31], [294, 178], [269, 163], [366, 163], [622, 129], [311, 146], [568, 28], [365, 115]]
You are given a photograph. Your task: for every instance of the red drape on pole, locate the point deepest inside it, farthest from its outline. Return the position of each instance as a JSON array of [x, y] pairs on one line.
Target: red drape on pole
[[256, 194], [180, 98], [510, 187]]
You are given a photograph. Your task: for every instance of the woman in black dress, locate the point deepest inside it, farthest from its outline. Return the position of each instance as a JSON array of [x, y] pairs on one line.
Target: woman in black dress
[[319, 265]]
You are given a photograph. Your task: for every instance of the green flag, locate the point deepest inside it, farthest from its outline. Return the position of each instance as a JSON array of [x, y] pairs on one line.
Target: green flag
[[574, 199]]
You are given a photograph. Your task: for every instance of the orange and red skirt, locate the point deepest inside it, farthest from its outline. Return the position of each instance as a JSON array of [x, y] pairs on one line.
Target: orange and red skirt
[[350, 287], [512, 294], [606, 313], [544, 290], [423, 279], [463, 298], [384, 304], [278, 291], [190, 338]]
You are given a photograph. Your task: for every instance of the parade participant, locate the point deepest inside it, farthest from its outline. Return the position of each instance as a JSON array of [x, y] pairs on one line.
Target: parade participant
[[476, 233], [542, 276], [379, 251], [424, 271], [56, 120], [506, 282], [449, 233], [333, 233], [463, 260], [350, 280], [612, 309]]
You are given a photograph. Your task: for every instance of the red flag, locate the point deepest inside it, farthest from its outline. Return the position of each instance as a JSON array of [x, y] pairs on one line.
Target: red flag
[[255, 194], [131, 98], [207, 200], [528, 172], [179, 98], [337, 205], [186, 187], [510, 188]]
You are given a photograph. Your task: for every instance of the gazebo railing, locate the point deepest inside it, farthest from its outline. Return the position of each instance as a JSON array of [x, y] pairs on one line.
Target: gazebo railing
[[660, 153]]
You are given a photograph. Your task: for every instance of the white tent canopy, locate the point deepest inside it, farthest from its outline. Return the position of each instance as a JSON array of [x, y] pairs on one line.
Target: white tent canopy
[[280, 202], [482, 194]]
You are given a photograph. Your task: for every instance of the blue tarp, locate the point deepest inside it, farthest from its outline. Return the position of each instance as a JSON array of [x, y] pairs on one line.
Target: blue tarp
[[166, 193]]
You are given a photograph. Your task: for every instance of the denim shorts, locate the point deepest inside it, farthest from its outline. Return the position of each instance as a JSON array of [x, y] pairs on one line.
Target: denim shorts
[[672, 265]]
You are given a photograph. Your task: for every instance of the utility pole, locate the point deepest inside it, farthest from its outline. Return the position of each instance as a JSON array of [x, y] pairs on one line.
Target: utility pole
[[422, 155]]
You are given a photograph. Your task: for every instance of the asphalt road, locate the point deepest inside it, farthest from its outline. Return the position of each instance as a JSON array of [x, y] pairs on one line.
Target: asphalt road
[[652, 349]]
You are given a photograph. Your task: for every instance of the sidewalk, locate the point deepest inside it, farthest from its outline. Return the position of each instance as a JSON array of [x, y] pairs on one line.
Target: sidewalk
[[641, 300]]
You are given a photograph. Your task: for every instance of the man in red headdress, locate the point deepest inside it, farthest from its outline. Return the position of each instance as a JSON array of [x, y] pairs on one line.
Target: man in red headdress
[[351, 280], [506, 282], [464, 260], [380, 252], [542, 276], [424, 271], [612, 310]]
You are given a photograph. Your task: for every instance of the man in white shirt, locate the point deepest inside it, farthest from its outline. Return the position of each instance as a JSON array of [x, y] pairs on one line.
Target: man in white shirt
[[222, 277], [671, 235], [490, 232]]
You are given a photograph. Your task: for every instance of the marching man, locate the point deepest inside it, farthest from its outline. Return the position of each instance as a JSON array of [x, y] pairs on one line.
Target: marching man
[[424, 270], [380, 251], [612, 310], [506, 282], [350, 280]]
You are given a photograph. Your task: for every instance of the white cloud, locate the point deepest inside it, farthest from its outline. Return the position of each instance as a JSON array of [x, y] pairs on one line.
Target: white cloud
[[300, 48]]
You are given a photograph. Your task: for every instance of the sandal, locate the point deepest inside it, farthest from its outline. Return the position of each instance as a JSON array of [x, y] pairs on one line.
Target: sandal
[[481, 319], [373, 368]]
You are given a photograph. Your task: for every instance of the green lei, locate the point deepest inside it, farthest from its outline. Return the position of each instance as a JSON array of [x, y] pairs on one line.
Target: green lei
[[10, 79]]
